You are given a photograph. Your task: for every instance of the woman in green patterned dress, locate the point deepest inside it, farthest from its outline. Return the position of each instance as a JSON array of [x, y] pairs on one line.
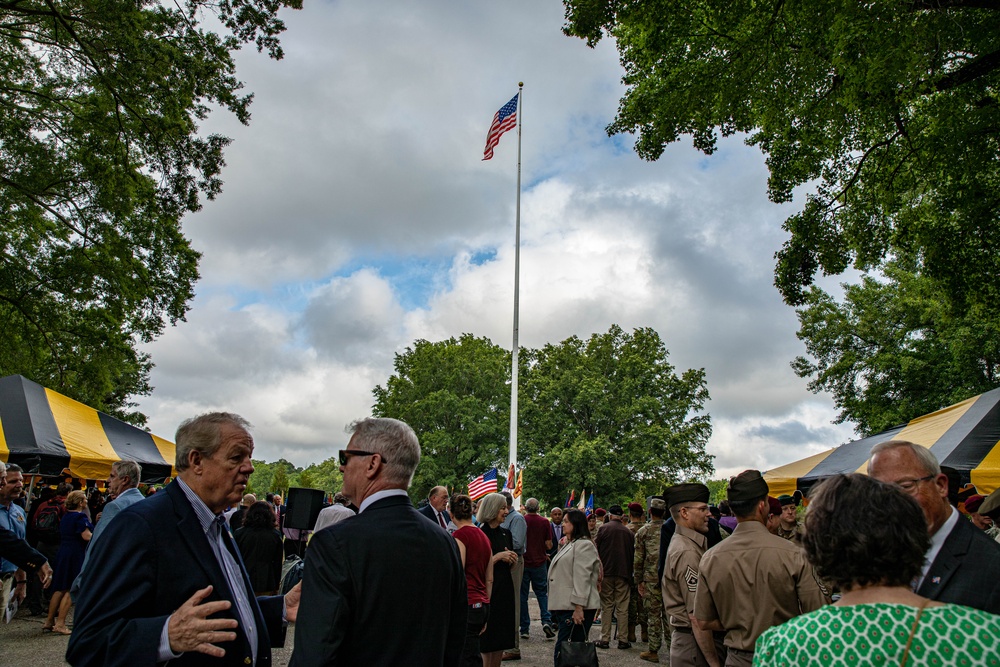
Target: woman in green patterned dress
[[869, 539]]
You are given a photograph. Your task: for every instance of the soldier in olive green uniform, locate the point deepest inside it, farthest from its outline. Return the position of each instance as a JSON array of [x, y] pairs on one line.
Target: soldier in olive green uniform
[[636, 612], [753, 580], [691, 645], [647, 551], [789, 526]]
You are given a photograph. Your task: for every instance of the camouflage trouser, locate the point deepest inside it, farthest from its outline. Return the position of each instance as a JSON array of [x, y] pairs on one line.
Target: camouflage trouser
[[636, 610], [653, 603]]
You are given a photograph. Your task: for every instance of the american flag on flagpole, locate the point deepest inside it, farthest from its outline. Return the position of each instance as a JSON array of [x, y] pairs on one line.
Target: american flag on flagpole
[[484, 484], [503, 120]]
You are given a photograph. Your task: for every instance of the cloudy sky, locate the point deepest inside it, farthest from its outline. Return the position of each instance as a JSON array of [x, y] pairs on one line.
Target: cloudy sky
[[358, 216]]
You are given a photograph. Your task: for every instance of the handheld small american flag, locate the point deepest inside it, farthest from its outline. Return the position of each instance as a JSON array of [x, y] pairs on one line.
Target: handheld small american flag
[[484, 484], [503, 120]]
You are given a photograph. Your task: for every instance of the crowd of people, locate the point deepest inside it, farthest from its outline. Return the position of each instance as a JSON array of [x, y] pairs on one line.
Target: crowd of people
[[877, 569]]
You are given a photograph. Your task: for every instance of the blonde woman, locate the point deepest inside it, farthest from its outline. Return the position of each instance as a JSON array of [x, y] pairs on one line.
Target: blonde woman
[[75, 531], [499, 633]]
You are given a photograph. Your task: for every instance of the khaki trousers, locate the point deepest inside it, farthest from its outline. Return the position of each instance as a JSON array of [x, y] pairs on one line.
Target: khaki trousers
[[614, 599], [517, 573], [685, 652]]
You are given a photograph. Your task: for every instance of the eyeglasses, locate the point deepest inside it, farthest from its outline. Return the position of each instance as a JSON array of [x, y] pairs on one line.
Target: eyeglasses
[[910, 484], [344, 453], [696, 508]]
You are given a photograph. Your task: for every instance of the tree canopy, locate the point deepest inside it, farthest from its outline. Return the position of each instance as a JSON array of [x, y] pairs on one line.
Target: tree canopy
[[609, 414], [100, 158], [888, 111], [895, 348], [455, 394]]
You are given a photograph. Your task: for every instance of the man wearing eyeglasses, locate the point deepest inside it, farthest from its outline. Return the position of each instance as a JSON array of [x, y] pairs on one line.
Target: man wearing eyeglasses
[[386, 587], [689, 510], [962, 565]]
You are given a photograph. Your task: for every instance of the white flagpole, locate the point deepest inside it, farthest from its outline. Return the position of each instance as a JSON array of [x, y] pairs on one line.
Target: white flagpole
[[517, 289]]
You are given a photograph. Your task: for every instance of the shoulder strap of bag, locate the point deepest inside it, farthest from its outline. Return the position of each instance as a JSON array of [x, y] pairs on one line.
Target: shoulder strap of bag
[[913, 631]]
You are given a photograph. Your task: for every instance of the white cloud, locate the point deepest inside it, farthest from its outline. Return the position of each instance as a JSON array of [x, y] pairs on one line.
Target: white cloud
[[357, 214]]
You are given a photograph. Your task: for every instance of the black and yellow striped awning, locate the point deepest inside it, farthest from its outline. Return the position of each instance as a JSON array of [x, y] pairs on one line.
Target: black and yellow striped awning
[[46, 433], [964, 436]]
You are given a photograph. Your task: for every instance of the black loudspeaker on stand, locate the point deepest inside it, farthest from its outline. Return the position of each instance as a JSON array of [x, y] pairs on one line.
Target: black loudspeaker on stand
[[303, 507]]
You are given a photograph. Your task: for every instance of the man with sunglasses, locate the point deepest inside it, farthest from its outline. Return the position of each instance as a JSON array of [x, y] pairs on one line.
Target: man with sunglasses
[[387, 586], [962, 565]]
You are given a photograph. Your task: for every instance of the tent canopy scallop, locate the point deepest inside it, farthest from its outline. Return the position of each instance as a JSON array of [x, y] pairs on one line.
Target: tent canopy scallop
[[47, 433], [964, 436]]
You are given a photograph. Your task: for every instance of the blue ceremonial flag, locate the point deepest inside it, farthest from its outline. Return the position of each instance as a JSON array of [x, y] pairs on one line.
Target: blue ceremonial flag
[[590, 503], [503, 120]]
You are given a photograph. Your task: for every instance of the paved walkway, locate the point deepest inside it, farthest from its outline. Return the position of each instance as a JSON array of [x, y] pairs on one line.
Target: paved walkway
[[24, 645]]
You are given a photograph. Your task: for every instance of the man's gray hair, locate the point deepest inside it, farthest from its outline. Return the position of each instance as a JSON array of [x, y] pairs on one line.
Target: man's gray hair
[[435, 491], [531, 505], [395, 441], [489, 507], [203, 434], [924, 455], [129, 469]]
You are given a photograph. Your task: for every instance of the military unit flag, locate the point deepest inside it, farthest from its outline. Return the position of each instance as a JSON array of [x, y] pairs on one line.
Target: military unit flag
[[484, 484], [504, 119]]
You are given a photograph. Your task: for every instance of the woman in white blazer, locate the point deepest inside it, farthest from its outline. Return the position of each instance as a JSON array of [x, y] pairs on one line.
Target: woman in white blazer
[[574, 581]]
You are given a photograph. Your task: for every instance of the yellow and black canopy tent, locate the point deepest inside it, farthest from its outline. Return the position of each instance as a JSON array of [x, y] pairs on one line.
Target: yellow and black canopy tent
[[47, 433], [964, 436]]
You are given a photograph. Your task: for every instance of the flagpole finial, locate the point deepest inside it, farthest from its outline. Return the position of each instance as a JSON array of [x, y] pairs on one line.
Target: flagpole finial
[[520, 84]]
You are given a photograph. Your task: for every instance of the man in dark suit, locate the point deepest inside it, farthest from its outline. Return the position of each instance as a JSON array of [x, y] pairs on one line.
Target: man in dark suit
[[964, 564], [435, 510], [387, 586], [166, 581]]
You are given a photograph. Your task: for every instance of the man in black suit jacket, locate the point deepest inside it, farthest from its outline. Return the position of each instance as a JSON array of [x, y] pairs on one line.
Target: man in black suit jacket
[[166, 582], [386, 587], [964, 563], [435, 510]]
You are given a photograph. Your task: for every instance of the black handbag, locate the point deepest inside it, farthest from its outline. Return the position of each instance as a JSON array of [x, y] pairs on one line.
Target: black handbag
[[577, 654]]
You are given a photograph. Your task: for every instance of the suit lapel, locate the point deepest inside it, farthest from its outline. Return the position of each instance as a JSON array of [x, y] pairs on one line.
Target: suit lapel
[[195, 539], [561, 552], [946, 563]]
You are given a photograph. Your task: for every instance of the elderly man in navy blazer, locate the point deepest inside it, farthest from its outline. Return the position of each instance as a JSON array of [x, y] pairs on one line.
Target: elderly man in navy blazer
[[387, 586], [963, 563], [166, 582], [437, 501]]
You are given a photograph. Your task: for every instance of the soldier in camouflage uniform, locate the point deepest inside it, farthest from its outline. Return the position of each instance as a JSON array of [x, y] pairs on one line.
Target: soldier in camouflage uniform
[[636, 612], [647, 552]]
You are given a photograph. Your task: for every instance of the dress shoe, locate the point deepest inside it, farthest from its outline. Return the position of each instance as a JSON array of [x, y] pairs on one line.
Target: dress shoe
[[624, 645], [549, 629], [652, 656], [510, 656], [602, 644]]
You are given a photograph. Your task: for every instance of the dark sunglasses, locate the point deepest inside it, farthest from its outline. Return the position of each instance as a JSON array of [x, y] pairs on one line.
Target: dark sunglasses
[[344, 453]]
